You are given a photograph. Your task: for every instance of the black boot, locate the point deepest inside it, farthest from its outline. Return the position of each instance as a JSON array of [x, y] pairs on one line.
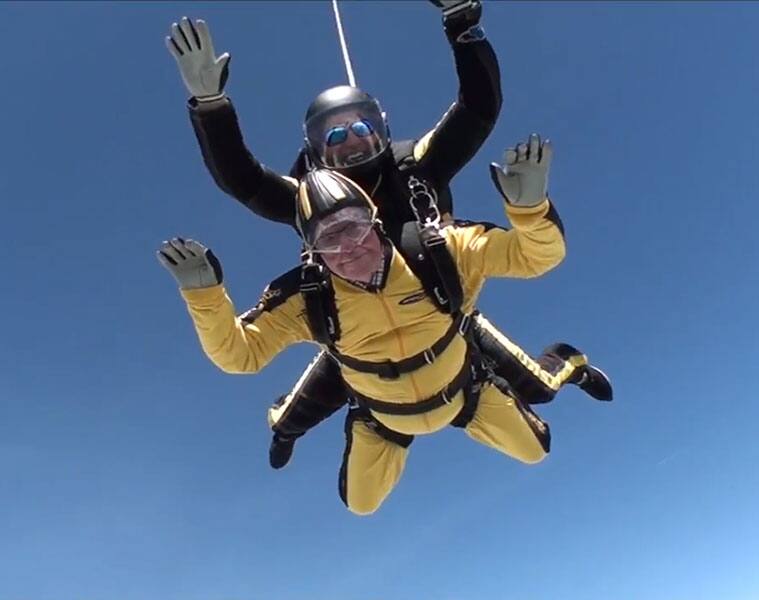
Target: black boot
[[281, 450], [592, 380]]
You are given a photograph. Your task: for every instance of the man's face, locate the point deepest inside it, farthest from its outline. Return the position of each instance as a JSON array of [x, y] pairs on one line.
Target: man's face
[[349, 245], [349, 139]]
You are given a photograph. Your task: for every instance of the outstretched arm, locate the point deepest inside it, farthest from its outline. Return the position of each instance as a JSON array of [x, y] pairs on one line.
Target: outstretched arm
[[468, 122], [235, 344], [234, 169]]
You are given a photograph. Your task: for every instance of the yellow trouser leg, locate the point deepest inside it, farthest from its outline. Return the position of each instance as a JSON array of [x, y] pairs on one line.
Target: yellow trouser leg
[[371, 468], [500, 424]]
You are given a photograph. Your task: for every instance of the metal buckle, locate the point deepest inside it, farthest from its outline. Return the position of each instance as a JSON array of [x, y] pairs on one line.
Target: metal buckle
[[420, 190], [429, 356], [440, 297], [466, 321], [331, 326]]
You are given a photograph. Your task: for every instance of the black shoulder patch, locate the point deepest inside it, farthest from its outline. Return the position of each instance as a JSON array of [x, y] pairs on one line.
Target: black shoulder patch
[[486, 224], [274, 294]]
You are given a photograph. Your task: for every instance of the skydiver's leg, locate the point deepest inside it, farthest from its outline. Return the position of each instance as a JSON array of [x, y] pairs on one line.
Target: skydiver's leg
[[536, 381], [320, 392], [505, 424], [373, 462]]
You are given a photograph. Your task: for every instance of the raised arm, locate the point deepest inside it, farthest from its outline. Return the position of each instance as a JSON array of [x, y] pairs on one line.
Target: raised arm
[[535, 244], [234, 169], [468, 122], [235, 344]]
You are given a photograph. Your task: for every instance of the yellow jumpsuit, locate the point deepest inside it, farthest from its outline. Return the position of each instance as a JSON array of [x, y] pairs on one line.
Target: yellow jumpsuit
[[392, 323]]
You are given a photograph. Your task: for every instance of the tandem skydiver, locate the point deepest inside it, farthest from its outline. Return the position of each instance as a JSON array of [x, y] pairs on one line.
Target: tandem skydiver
[[364, 271], [346, 130]]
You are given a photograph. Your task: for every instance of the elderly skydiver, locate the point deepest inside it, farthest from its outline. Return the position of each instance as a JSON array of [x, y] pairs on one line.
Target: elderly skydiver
[[354, 269], [345, 130]]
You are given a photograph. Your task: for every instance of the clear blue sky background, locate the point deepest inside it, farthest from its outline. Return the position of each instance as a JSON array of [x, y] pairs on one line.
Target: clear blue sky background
[[132, 469]]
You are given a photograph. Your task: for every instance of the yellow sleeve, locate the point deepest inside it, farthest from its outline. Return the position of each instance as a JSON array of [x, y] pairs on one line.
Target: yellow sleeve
[[533, 246], [247, 343]]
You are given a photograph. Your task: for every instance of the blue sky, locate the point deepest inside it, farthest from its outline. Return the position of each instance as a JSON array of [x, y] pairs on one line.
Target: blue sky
[[131, 468]]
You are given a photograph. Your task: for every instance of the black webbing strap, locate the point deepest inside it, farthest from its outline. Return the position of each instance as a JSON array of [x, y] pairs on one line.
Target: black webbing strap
[[445, 396], [480, 376], [392, 370], [445, 266], [427, 255], [319, 298]]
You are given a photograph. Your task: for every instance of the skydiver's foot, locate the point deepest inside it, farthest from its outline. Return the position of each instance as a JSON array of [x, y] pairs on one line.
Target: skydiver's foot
[[592, 380], [281, 450]]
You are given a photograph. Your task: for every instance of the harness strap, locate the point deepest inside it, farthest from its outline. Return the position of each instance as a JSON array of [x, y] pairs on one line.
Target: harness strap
[[444, 266], [445, 396], [426, 253], [480, 376], [319, 299], [392, 370]]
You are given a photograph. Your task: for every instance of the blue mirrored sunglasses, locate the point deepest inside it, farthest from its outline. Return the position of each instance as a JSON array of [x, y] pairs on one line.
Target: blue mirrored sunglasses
[[337, 135]]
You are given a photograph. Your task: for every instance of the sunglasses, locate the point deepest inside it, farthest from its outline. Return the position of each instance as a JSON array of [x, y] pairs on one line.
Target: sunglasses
[[338, 241], [337, 135]]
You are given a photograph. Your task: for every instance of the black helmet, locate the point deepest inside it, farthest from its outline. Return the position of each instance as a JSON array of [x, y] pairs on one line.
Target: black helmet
[[336, 112], [322, 192]]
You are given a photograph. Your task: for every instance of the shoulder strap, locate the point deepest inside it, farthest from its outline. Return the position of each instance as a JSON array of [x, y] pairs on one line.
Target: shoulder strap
[[428, 257], [403, 154], [319, 298]]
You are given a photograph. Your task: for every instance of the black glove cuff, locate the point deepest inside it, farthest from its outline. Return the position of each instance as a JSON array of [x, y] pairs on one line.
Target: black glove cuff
[[460, 22]]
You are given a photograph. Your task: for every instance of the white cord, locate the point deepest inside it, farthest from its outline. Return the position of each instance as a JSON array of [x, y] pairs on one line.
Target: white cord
[[344, 45]]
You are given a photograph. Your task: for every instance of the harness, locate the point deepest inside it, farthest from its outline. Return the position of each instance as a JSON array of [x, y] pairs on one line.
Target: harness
[[424, 249]]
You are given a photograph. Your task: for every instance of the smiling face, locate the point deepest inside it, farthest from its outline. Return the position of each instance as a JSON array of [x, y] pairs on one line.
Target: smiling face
[[353, 140], [346, 131], [349, 246]]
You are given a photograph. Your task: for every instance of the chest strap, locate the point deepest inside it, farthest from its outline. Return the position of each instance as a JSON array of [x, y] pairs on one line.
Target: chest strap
[[445, 396], [392, 370]]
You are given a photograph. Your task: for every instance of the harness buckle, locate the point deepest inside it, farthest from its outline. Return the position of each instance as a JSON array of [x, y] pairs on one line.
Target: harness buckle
[[466, 321], [420, 191], [429, 356]]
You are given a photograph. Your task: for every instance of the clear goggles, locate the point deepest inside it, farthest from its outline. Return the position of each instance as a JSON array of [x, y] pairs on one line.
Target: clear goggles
[[348, 229]]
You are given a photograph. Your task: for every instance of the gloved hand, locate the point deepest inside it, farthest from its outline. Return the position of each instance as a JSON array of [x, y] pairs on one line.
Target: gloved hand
[[192, 264], [461, 19], [203, 73], [523, 178]]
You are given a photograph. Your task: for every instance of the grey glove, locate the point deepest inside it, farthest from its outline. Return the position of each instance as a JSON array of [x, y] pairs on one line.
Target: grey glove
[[451, 8], [192, 264], [523, 178], [203, 73]]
